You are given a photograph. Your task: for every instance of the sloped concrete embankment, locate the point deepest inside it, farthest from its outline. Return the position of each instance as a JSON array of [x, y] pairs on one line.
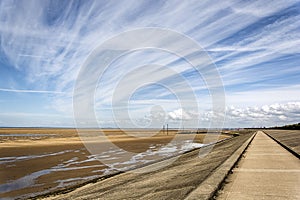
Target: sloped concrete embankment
[[176, 181], [208, 188], [289, 139]]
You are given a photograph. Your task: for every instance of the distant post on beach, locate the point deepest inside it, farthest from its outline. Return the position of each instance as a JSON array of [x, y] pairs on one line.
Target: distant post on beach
[[167, 129]]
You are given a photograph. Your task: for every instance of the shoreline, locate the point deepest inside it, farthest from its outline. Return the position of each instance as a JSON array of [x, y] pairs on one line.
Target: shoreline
[[64, 157]]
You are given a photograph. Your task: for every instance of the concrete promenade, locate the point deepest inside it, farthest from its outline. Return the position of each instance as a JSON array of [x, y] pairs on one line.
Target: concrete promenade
[[266, 171], [175, 181]]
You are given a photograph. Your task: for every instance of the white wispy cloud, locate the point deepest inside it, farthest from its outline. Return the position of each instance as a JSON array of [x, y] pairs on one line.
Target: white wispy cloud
[[47, 45], [263, 96], [30, 91]]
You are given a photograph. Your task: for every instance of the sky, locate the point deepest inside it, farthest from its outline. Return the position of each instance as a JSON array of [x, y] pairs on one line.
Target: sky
[[45, 46]]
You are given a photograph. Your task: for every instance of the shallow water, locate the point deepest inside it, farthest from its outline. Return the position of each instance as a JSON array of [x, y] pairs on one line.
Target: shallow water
[[22, 158], [115, 158]]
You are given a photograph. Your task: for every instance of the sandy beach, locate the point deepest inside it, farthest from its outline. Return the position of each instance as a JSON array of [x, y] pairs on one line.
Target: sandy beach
[[37, 161]]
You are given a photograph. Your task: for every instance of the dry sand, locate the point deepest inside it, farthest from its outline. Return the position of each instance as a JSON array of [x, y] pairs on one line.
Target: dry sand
[[175, 181], [29, 163]]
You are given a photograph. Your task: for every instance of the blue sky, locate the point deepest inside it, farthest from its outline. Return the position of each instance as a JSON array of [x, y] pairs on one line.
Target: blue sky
[[255, 46]]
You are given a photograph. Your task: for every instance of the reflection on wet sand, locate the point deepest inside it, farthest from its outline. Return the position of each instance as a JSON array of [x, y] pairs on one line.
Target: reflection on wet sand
[[30, 167]]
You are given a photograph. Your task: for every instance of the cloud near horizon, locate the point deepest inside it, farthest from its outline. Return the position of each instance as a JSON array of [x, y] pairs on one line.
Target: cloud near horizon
[[267, 115], [254, 45]]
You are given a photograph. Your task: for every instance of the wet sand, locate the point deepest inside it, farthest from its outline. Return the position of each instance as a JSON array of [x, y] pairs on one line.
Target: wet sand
[[37, 161], [169, 179]]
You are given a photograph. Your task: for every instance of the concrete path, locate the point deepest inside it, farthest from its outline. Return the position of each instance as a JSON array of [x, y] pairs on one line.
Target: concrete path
[[175, 181], [266, 171]]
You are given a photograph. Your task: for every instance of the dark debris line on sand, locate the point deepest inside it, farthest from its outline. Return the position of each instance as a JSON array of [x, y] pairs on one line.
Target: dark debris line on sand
[[289, 139], [175, 181]]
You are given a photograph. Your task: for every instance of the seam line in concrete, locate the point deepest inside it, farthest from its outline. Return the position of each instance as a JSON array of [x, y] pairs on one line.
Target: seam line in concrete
[[209, 187], [283, 145], [112, 175], [267, 170]]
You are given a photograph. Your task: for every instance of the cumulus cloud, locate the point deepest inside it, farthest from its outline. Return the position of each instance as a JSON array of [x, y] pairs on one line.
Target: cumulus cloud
[[44, 46], [180, 114], [266, 115], [251, 116]]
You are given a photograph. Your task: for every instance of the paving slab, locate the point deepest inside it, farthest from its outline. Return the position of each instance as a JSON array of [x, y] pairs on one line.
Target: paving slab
[[266, 171], [290, 139], [175, 181]]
